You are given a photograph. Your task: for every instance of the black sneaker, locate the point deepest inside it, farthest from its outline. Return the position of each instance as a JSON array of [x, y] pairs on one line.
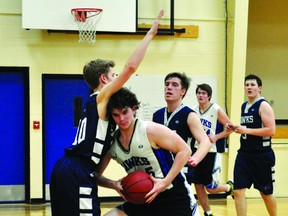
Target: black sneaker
[[231, 191], [205, 214]]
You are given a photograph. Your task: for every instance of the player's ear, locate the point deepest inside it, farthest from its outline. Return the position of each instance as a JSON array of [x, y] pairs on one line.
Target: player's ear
[[134, 110], [103, 78], [183, 91]]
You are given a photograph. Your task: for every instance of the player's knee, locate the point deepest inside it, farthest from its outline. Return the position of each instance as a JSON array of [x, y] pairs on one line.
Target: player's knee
[[238, 193]]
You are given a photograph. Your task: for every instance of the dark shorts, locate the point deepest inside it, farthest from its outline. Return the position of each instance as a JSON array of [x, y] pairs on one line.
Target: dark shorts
[[72, 189], [257, 169], [172, 202], [189, 173], [203, 172]]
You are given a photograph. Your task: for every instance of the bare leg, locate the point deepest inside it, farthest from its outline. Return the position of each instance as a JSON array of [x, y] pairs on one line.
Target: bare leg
[[202, 197], [240, 202], [220, 188], [270, 203]]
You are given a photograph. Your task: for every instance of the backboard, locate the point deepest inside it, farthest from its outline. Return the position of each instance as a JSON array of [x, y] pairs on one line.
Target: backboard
[[117, 16]]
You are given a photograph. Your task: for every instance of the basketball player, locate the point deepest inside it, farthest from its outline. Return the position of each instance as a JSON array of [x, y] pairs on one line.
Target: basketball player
[[72, 189], [147, 146], [213, 119], [255, 160], [181, 119]]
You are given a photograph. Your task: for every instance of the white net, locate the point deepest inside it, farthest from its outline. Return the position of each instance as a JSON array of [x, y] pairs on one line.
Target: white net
[[87, 19]]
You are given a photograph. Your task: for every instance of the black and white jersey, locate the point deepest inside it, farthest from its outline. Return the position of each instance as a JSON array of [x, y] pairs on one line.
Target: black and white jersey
[[251, 119], [94, 136]]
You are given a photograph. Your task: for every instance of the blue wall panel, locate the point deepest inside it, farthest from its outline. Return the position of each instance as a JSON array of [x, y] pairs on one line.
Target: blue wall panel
[[59, 116], [12, 154]]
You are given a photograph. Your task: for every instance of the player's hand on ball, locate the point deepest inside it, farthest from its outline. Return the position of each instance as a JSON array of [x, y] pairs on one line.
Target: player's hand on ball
[[159, 186], [118, 187], [135, 187]]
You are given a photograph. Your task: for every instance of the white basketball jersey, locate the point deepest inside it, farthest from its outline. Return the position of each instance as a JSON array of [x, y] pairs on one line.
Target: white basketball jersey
[[141, 156], [209, 121]]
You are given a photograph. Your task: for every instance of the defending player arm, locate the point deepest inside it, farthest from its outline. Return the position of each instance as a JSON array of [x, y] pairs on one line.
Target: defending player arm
[[130, 67], [101, 180]]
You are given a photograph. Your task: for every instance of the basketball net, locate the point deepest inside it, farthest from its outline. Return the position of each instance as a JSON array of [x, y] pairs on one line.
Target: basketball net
[[87, 19]]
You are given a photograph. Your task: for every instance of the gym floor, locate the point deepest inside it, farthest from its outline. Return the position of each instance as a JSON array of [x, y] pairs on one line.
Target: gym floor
[[225, 207]]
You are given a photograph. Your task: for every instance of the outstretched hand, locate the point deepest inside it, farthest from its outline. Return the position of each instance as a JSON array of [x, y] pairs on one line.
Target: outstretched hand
[[230, 127], [156, 23]]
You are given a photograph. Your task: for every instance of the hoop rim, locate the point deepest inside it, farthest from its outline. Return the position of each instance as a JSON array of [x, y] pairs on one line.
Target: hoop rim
[[86, 10]]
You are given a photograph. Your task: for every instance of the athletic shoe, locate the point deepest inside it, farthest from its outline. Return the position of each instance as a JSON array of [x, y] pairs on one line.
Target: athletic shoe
[[205, 214], [231, 191]]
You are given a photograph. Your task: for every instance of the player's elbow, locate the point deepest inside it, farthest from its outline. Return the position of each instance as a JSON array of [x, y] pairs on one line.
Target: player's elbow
[[131, 67], [188, 153], [185, 153], [271, 132]]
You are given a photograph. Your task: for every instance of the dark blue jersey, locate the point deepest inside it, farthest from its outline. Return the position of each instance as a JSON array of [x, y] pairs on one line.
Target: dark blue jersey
[[72, 190], [251, 119], [176, 122], [94, 136]]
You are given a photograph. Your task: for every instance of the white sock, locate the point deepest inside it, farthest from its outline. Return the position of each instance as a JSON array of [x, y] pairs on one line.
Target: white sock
[[209, 212], [229, 187]]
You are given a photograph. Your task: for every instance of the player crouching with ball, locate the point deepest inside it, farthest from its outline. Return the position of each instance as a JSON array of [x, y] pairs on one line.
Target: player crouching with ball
[[153, 148]]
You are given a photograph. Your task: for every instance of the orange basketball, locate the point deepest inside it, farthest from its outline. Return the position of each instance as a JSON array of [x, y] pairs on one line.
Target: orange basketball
[[135, 187]]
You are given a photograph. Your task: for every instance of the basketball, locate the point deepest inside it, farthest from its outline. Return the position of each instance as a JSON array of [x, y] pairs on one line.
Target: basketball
[[135, 187]]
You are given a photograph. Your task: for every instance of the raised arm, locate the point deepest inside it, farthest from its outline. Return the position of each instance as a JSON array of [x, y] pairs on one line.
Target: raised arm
[[130, 67]]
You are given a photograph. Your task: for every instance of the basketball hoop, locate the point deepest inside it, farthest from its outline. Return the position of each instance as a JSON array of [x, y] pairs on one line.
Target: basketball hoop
[[87, 19]]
